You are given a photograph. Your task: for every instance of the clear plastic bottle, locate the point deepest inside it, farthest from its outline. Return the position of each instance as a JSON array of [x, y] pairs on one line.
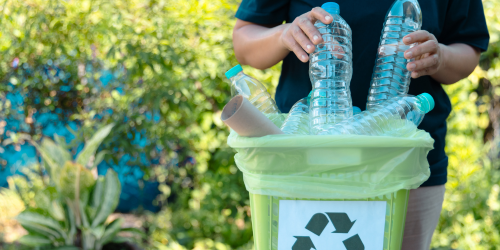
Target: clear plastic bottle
[[393, 117], [255, 92], [297, 121], [330, 71], [390, 76]]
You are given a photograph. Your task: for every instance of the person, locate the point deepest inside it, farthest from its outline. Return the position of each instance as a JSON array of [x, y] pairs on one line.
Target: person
[[453, 35]]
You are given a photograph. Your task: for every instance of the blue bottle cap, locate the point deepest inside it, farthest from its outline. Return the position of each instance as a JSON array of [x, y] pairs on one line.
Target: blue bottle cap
[[356, 110], [331, 7], [233, 71], [427, 102]]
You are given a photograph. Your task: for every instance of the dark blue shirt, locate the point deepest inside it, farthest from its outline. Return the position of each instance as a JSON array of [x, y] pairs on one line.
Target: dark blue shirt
[[451, 21]]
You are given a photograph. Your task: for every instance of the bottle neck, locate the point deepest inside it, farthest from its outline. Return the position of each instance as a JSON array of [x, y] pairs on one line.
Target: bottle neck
[[236, 77]]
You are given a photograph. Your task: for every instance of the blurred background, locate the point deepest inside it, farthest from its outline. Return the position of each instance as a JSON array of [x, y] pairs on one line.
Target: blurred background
[[155, 68]]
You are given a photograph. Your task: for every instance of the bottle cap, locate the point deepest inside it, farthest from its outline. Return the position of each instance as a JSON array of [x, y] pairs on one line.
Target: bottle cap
[[233, 71], [427, 102], [308, 98], [356, 110], [331, 7]]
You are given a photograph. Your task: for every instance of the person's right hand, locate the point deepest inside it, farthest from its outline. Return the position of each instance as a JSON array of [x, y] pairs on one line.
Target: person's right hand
[[300, 36]]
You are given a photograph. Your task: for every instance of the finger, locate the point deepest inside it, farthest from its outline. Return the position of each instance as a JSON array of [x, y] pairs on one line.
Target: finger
[[430, 47], [307, 27], [424, 72], [424, 63], [418, 36], [318, 13], [302, 40], [292, 45]]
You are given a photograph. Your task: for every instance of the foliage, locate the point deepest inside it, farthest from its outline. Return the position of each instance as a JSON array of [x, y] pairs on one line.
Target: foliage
[[471, 210], [10, 206], [71, 208], [170, 57]]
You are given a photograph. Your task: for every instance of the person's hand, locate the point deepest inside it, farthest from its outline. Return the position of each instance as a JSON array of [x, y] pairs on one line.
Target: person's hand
[[300, 36], [427, 54]]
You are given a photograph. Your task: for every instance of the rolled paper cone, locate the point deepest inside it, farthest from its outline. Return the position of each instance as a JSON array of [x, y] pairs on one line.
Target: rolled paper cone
[[246, 120]]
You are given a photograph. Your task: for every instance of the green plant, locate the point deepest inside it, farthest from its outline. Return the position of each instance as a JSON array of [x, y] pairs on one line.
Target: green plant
[[71, 211]]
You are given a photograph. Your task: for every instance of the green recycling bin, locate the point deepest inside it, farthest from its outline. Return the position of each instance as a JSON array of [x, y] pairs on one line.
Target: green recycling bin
[[330, 192]]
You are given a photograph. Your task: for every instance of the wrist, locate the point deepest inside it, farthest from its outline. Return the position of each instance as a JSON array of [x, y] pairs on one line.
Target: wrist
[[281, 30], [445, 57]]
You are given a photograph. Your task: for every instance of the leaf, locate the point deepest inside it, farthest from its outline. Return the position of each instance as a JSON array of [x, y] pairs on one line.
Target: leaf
[[119, 239], [99, 158], [72, 224], [60, 140], [42, 200], [91, 146], [68, 176], [109, 199], [98, 232], [47, 158], [57, 211], [42, 230], [58, 153], [34, 240], [28, 217], [135, 231], [83, 215], [111, 230], [96, 197]]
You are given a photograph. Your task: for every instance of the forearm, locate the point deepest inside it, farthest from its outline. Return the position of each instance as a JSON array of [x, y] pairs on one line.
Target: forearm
[[459, 60], [259, 46]]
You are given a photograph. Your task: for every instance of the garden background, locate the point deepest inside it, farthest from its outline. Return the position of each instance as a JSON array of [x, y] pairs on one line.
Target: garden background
[[156, 68]]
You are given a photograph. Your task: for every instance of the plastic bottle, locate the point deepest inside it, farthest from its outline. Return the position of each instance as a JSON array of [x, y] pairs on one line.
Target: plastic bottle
[[394, 117], [330, 71], [255, 92], [355, 110], [297, 121], [390, 76]]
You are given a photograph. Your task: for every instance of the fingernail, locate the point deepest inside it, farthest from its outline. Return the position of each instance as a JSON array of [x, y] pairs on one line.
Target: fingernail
[[407, 39], [315, 38], [411, 66], [409, 54], [327, 18], [308, 47], [303, 57]]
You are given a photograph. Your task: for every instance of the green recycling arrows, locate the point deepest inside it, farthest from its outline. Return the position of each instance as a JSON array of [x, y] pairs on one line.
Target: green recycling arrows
[[341, 222], [303, 243], [317, 224]]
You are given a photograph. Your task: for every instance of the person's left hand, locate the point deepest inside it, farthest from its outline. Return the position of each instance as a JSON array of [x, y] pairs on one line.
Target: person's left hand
[[427, 54]]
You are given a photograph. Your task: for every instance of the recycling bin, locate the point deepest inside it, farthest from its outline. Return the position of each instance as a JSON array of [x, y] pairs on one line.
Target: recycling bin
[[330, 192]]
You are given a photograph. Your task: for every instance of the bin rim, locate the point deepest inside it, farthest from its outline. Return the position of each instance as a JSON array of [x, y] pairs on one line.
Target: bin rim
[[420, 139]]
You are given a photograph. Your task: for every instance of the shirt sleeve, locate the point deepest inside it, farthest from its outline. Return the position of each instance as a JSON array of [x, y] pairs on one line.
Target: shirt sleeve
[[465, 23], [263, 11]]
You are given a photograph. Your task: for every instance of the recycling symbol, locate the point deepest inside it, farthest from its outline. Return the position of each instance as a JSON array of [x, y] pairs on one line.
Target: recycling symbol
[[317, 224]]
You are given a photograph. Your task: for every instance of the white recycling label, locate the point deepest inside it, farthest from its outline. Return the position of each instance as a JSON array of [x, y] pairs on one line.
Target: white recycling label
[[350, 225]]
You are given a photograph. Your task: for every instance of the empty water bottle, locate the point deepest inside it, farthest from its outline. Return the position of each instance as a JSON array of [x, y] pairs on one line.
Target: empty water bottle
[[297, 121], [394, 117], [255, 92], [390, 76], [330, 71]]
